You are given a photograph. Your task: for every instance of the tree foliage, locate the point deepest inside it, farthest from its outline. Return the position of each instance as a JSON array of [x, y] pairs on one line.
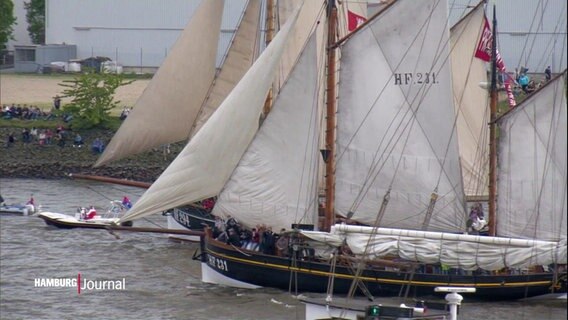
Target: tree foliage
[[92, 98], [7, 22], [35, 16]]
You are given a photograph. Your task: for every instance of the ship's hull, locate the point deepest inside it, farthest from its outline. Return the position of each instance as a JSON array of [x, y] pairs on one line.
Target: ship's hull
[[188, 218], [223, 264]]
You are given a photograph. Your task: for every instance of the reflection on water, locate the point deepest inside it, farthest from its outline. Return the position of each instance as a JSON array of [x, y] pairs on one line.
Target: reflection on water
[[162, 282]]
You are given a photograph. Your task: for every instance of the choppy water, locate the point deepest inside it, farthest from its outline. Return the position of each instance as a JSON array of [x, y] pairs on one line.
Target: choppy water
[[162, 282]]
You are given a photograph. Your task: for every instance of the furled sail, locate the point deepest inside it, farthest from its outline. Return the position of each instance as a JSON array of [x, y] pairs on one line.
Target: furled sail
[[532, 197], [207, 161], [181, 93], [455, 250], [396, 123], [276, 176], [239, 58], [471, 101]]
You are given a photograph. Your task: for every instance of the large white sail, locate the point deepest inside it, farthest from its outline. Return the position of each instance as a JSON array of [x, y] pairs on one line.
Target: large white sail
[[396, 124], [532, 199], [471, 101], [275, 182], [206, 163], [239, 58], [167, 108], [467, 252]]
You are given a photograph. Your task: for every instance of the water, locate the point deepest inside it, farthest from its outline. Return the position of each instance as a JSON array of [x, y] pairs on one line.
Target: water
[[162, 281]]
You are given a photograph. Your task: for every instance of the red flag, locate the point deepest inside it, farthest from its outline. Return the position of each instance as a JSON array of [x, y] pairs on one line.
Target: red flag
[[483, 50], [354, 20]]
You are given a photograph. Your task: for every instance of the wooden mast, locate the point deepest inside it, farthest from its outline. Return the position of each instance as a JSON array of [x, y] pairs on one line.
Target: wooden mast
[[493, 132], [330, 121], [270, 28]]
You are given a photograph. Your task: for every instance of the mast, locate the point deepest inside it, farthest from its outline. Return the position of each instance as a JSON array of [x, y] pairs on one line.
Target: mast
[[270, 27], [330, 113], [493, 131]]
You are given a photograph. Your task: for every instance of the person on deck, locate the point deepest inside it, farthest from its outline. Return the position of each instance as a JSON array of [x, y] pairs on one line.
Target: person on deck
[[91, 213], [31, 201], [126, 202]]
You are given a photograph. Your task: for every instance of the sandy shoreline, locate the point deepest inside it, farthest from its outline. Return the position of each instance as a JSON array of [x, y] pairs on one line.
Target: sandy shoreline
[[39, 90]]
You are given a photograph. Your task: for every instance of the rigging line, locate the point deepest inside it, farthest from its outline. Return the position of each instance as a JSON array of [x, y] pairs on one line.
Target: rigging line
[[201, 113], [385, 86], [549, 163], [98, 192], [311, 148], [539, 27], [560, 25], [373, 105], [424, 89], [477, 135], [523, 52]]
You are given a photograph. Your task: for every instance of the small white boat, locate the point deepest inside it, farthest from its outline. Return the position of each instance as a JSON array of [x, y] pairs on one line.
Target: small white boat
[[82, 219], [17, 209]]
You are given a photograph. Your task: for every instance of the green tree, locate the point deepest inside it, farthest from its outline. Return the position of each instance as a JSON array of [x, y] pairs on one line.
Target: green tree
[[92, 98], [7, 22], [35, 16]]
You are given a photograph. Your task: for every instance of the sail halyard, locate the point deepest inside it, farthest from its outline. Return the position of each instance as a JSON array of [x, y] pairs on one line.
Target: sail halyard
[[207, 161], [148, 126], [387, 138]]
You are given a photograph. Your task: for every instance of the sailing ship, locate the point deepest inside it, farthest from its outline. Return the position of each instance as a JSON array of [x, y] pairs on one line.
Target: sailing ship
[[392, 161]]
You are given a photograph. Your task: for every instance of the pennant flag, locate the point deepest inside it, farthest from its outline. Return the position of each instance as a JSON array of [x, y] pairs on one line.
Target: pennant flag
[[354, 20], [483, 52]]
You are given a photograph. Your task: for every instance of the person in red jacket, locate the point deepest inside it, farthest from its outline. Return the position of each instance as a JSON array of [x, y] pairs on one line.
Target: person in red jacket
[[91, 214]]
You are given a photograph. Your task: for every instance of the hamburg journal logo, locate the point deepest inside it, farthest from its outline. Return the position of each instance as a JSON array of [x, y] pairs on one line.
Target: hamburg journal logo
[[81, 284]]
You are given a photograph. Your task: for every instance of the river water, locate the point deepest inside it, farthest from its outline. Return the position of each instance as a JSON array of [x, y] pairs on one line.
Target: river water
[[161, 280]]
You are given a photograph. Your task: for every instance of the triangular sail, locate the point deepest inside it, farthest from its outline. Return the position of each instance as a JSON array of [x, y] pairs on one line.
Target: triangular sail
[[532, 198], [206, 163], [165, 111], [471, 101], [241, 55], [396, 121], [276, 176]]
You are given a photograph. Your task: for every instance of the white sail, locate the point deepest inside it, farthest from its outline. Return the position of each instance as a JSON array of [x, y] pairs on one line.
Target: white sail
[[396, 121], [455, 250], [206, 163], [471, 101], [167, 108], [532, 197], [275, 182], [239, 58]]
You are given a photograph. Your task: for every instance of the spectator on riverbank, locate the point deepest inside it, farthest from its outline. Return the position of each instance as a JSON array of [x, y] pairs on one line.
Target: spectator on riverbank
[[10, 140], [98, 146], [78, 141]]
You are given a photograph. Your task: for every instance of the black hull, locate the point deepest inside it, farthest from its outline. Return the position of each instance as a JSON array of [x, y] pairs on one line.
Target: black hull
[[310, 276], [193, 218]]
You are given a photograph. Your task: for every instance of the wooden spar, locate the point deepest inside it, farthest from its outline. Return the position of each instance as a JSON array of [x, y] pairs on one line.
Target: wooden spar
[[493, 133], [123, 182], [270, 23], [156, 230], [330, 123]]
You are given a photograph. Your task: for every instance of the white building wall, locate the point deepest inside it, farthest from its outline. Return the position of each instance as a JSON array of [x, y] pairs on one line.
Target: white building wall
[[136, 33], [21, 35]]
